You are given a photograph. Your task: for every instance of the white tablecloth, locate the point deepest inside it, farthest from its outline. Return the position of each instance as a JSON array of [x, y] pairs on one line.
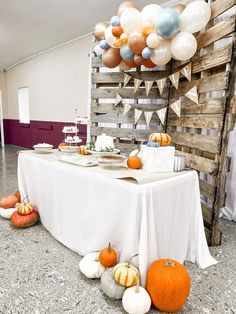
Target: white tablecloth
[[85, 210]]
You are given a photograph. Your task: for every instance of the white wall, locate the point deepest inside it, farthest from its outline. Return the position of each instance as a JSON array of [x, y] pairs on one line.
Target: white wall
[[57, 80], [3, 88]]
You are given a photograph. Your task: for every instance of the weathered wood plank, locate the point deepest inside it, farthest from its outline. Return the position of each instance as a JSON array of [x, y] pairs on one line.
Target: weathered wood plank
[[207, 213], [220, 6], [119, 118], [122, 132], [126, 148], [216, 32], [208, 106], [207, 189], [205, 143], [199, 163], [200, 121], [106, 108]]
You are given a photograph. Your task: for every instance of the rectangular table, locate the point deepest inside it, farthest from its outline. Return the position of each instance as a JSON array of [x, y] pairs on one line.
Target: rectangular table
[[84, 209]]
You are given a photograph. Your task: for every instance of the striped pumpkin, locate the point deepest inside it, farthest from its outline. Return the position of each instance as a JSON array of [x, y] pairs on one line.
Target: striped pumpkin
[[126, 274], [20, 221], [25, 208], [83, 150], [163, 138]]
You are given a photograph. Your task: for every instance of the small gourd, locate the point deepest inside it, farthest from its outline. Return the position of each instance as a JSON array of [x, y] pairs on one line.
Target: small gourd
[[110, 287], [25, 208], [126, 274], [90, 266], [83, 150], [163, 138], [136, 300], [108, 256], [134, 162], [18, 196], [8, 201]]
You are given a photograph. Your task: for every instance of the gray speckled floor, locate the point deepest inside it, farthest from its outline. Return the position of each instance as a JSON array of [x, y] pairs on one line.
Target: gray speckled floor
[[39, 275]]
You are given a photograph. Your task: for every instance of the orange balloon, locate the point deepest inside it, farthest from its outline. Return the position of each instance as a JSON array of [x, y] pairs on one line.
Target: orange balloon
[[138, 60], [130, 64], [124, 39], [111, 58], [99, 30], [137, 42], [148, 27], [149, 64], [179, 7], [126, 5], [117, 31]]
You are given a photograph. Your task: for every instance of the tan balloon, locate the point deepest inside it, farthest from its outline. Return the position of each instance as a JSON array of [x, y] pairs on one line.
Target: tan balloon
[[111, 58], [179, 7], [137, 42], [138, 60], [126, 5], [123, 66], [99, 30], [153, 40]]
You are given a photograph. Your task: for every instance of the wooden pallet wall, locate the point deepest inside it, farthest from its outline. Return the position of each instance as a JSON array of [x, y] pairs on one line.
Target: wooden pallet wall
[[201, 134]]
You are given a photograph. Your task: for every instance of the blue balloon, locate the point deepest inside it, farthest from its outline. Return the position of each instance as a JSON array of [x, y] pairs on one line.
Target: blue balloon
[[168, 23], [126, 53], [115, 21], [104, 44], [147, 53]]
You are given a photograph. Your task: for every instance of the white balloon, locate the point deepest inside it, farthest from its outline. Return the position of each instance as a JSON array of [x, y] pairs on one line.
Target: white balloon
[[183, 46], [109, 37], [195, 16], [131, 19], [151, 12], [153, 40], [162, 54], [98, 50]]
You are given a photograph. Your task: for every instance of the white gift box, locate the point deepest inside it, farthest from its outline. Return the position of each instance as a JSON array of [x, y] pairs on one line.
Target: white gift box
[[157, 159]]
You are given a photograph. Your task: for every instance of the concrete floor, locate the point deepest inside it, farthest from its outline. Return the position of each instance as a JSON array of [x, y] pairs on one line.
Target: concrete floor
[[39, 275]]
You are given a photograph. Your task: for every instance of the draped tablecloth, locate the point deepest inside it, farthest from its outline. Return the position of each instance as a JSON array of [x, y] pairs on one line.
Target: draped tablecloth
[[85, 209]]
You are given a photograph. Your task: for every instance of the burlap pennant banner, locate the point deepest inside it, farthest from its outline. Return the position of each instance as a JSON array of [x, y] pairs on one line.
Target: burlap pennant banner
[[187, 71], [127, 78], [162, 115], [127, 108], [148, 86], [137, 83], [175, 79], [137, 115], [176, 107], [161, 84], [148, 116], [192, 94], [118, 99]]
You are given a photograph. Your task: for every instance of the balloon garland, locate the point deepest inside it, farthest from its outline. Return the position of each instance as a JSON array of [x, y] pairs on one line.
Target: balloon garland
[[150, 37]]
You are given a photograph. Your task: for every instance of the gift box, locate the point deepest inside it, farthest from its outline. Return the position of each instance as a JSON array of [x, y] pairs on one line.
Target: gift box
[[157, 159]]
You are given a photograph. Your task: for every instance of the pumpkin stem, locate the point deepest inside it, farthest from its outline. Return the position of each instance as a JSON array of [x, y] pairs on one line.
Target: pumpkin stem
[[170, 264], [137, 284], [109, 247], [133, 257], [26, 197]]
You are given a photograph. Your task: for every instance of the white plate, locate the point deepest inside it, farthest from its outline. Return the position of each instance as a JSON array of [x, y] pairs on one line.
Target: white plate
[[94, 152], [104, 159]]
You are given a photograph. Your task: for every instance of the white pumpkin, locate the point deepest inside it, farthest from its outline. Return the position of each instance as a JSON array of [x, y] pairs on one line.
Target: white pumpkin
[[7, 212], [136, 300], [110, 287], [90, 266]]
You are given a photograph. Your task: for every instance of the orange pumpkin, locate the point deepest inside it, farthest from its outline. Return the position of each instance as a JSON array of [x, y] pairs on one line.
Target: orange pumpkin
[[83, 150], [134, 162], [163, 138], [126, 274], [108, 257], [25, 208], [168, 283], [63, 145], [21, 221], [8, 201], [17, 194]]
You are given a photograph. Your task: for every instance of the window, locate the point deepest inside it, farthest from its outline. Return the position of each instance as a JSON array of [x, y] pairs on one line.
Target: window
[[23, 101]]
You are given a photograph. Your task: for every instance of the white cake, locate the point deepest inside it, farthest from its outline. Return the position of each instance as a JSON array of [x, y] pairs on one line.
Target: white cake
[[104, 142], [69, 139], [69, 128]]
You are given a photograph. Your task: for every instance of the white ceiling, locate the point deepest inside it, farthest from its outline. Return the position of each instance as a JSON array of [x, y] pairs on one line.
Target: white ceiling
[[28, 27]]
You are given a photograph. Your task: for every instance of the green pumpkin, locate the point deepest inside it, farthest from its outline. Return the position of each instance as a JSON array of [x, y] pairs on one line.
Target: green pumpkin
[[110, 287]]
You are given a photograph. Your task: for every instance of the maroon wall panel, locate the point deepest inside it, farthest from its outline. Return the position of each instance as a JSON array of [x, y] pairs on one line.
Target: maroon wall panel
[[27, 135]]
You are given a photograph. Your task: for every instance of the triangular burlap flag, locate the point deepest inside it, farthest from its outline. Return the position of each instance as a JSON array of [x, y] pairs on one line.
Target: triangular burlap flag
[[162, 115], [137, 83], [161, 84], [148, 116], [127, 78], [175, 79], [148, 86], [127, 108], [137, 115], [176, 107], [192, 94], [187, 71], [118, 99]]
